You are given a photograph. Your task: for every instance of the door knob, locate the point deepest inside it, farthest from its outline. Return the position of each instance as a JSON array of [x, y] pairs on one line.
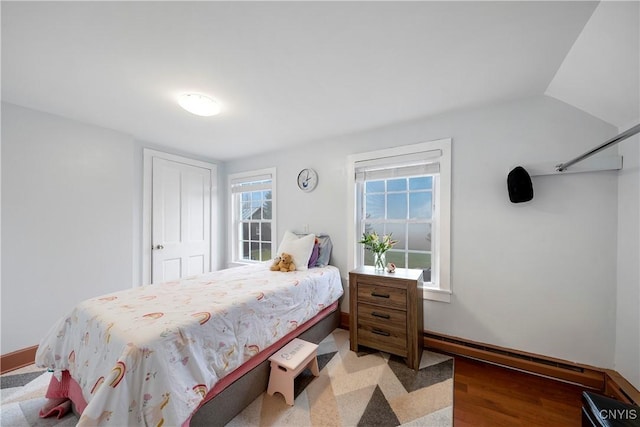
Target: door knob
[[159, 247]]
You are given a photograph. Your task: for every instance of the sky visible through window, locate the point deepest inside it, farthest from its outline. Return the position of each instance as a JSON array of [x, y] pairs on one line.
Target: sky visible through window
[[403, 207]]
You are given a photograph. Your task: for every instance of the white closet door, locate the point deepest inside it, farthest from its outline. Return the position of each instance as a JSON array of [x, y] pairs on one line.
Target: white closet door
[[181, 220]]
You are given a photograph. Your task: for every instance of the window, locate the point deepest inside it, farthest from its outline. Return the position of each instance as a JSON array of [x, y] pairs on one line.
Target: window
[[402, 207], [253, 216], [405, 191]]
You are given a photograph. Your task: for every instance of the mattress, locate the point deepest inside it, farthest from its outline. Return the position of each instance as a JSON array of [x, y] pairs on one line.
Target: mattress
[[149, 355]]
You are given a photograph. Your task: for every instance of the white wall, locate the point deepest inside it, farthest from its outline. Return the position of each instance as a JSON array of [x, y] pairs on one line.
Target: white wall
[[71, 218], [67, 220], [540, 276], [627, 354]]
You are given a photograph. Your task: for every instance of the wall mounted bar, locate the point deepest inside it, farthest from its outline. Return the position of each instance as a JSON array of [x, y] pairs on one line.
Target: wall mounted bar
[[593, 164], [624, 135]]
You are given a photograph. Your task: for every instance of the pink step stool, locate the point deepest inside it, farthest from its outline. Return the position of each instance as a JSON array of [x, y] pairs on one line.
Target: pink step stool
[[287, 363]]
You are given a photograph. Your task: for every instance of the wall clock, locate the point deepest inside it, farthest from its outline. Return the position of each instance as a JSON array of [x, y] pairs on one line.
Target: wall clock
[[307, 179]]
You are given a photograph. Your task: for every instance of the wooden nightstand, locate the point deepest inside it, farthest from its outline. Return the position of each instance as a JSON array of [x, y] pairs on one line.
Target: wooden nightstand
[[385, 312]]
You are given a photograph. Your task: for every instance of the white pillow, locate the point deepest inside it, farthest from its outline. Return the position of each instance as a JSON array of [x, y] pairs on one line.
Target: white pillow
[[300, 248]]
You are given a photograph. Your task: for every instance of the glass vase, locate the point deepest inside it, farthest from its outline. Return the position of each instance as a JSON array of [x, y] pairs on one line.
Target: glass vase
[[379, 261]]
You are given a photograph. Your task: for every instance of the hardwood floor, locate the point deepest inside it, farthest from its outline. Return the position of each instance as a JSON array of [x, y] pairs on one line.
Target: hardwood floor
[[489, 395]]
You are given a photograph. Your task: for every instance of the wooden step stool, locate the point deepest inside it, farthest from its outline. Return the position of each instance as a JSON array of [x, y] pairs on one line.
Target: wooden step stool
[[287, 363]]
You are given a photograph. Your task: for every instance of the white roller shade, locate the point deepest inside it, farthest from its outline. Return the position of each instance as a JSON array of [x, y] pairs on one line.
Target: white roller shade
[[424, 163], [251, 183]]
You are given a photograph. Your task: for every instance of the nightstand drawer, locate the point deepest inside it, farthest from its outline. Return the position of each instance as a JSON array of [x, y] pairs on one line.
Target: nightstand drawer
[[386, 339], [382, 317], [383, 295]]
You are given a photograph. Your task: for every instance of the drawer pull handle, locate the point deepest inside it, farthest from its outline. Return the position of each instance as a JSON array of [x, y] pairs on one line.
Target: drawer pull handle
[[379, 332], [375, 294], [381, 315]]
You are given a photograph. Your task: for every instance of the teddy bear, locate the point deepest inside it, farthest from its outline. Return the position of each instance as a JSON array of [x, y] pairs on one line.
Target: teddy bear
[[274, 265], [283, 263]]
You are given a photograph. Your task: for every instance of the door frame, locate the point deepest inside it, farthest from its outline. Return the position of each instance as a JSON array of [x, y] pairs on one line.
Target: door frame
[[147, 208]]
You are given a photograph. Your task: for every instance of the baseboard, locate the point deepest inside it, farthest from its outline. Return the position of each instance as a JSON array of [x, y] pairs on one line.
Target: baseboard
[[603, 380], [606, 381], [619, 388], [344, 320], [17, 359], [585, 375]]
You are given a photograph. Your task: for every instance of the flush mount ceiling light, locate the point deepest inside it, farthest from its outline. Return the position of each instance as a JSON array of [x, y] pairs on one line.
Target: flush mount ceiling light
[[198, 104]]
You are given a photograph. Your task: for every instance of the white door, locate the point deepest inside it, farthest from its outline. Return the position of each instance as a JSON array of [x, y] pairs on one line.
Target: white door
[[181, 220]]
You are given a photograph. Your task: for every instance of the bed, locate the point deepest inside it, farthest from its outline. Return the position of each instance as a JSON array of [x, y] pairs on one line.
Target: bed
[[159, 354]]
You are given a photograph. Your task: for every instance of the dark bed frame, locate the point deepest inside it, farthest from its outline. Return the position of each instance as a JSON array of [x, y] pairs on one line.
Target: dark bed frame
[[237, 396]]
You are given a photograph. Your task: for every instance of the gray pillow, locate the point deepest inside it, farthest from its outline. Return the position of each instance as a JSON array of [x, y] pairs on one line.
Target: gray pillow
[[325, 247]]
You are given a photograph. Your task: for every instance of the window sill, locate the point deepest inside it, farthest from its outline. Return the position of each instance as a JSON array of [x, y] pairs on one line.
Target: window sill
[[436, 294]]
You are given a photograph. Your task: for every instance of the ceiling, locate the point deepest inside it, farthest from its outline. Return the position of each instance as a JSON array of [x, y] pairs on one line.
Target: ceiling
[[601, 72], [286, 73]]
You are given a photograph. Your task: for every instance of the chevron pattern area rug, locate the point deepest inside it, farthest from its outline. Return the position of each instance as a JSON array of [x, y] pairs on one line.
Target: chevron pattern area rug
[[368, 388], [361, 389]]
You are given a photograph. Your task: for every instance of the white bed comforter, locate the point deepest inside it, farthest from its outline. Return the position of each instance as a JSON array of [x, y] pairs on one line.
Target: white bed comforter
[[149, 355]]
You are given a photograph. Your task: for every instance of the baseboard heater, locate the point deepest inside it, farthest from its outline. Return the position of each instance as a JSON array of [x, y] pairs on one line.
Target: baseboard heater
[[607, 381], [617, 387], [584, 375]]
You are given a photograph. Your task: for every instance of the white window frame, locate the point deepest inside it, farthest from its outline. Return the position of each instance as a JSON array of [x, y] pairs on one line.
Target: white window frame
[[233, 237], [440, 287]]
